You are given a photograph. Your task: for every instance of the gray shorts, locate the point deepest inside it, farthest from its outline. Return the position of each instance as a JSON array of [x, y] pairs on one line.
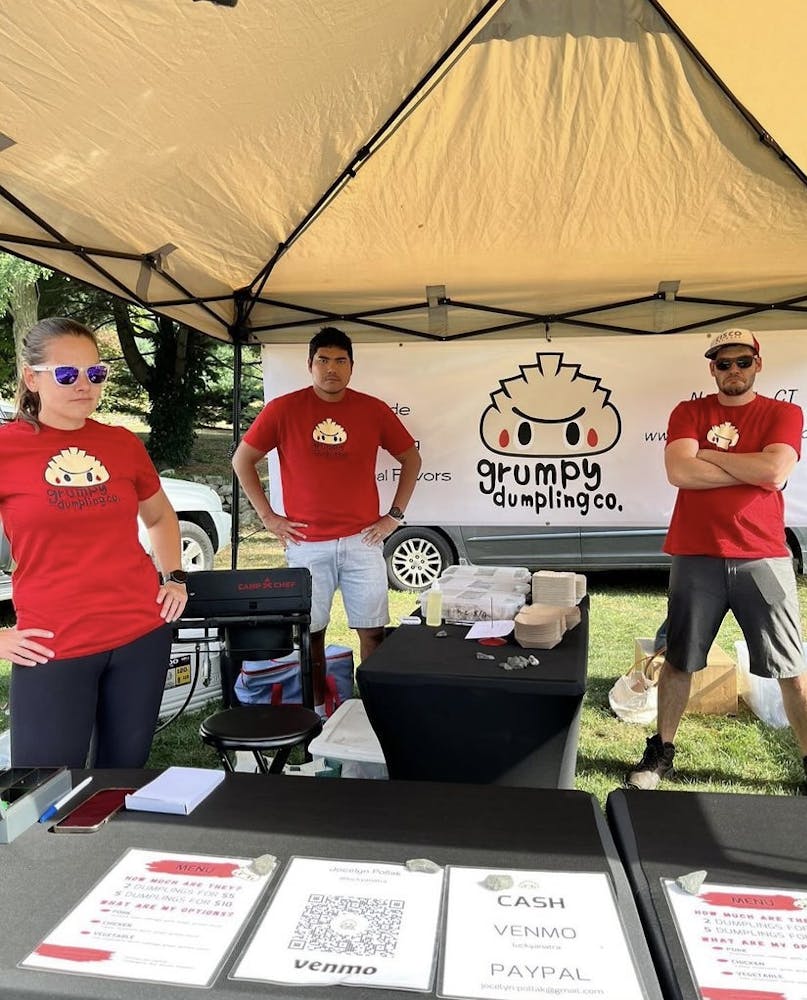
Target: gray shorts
[[762, 595]]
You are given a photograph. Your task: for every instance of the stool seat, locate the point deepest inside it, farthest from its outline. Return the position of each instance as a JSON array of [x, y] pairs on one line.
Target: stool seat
[[260, 728]]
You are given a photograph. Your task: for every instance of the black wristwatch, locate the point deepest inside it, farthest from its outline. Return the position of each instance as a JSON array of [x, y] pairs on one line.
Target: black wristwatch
[[176, 576], [397, 513]]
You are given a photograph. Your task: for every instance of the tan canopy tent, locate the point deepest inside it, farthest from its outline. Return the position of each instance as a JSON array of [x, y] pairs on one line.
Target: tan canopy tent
[[428, 168]]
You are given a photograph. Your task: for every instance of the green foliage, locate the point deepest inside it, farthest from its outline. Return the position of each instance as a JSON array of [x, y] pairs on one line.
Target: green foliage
[[179, 362], [14, 271], [8, 363], [18, 281], [175, 376]]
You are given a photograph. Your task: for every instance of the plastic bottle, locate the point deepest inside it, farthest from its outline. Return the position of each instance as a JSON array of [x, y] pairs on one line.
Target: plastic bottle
[[434, 605]]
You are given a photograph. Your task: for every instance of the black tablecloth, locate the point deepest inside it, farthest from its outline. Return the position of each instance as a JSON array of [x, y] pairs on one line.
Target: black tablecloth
[[442, 714], [43, 875], [738, 839]]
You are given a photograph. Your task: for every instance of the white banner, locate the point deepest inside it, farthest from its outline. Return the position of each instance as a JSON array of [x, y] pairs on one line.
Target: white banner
[[569, 432]]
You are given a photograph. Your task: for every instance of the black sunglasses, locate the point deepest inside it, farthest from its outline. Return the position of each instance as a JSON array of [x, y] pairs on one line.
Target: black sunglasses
[[725, 364]]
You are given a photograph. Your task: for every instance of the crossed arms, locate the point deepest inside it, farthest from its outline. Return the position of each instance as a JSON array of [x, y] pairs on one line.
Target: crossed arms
[[691, 468]]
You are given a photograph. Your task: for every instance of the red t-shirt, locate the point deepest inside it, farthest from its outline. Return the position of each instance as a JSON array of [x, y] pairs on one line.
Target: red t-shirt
[[732, 522], [327, 455], [69, 501]]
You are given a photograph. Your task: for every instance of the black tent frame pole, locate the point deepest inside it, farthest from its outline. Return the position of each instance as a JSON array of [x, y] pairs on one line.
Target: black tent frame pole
[[238, 333], [373, 143], [85, 254], [762, 133], [235, 527]]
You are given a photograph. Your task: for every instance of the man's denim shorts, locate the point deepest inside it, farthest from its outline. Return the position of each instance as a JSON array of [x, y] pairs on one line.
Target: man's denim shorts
[[357, 569]]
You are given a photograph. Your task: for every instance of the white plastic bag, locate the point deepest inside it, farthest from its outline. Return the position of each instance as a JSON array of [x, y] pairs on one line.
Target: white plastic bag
[[762, 694], [634, 697]]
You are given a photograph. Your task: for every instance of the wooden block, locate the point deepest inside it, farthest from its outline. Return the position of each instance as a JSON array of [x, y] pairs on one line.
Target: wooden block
[[714, 689], [645, 658]]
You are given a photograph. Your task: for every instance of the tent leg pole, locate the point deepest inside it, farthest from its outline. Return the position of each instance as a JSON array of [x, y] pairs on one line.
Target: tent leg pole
[[235, 527]]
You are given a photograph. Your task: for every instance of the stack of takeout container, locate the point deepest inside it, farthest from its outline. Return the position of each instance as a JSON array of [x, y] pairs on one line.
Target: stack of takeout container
[[481, 593], [554, 610], [469, 602], [565, 589], [540, 626], [516, 579]]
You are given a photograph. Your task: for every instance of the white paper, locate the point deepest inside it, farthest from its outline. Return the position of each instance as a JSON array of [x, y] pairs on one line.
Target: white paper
[[550, 934], [349, 922], [748, 940], [156, 916], [482, 630], [178, 790]]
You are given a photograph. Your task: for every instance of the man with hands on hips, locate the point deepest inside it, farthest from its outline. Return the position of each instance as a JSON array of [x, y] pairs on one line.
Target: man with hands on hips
[[327, 437]]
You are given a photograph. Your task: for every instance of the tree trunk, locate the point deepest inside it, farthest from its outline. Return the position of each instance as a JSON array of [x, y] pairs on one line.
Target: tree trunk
[[23, 303], [138, 365]]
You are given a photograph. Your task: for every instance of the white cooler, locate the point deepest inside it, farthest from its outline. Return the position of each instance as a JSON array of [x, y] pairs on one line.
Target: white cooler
[[348, 737], [196, 650]]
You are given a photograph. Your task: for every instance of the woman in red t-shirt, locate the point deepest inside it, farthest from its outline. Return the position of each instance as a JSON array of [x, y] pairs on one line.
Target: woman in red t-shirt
[[92, 644]]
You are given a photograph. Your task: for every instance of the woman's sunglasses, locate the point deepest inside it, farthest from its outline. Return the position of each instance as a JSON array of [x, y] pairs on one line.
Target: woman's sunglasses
[[725, 364], [68, 374]]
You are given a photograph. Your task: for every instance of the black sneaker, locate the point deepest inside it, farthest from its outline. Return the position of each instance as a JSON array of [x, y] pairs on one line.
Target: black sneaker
[[656, 763]]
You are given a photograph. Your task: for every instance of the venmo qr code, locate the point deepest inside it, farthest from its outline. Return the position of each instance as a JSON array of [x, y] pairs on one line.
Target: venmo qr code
[[349, 925]]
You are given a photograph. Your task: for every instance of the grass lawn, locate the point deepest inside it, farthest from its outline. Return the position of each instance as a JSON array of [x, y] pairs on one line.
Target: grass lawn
[[724, 754], [716, 754]]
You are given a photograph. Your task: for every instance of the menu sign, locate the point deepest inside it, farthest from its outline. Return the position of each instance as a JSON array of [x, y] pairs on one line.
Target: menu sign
[[156, 916], [743, 942]]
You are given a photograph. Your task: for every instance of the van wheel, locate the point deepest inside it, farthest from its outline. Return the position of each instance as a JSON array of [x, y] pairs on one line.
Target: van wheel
[[197, 549], [415, 558]]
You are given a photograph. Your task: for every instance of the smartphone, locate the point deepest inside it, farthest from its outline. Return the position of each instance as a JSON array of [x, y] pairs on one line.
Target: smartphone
[[92, 813]]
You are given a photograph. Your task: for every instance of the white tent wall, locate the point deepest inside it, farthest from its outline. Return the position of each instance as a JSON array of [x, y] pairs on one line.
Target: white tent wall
[[563, 157], [456, 398]]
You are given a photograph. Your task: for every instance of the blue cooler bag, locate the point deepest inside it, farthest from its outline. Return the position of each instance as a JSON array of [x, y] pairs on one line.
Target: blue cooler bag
[[276, 682]]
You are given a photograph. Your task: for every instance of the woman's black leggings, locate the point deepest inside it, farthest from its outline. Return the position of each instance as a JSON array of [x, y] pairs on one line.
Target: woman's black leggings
[[56, 706]]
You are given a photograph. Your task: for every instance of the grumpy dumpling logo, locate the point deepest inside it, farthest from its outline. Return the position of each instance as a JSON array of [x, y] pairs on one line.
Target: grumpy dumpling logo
[[74, 467], [723, 436], [329, 432], [550, 410]]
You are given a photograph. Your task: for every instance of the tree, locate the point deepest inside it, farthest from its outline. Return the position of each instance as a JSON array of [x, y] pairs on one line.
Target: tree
[[19, 293], [185, 376], [166, 359], [172, 379]]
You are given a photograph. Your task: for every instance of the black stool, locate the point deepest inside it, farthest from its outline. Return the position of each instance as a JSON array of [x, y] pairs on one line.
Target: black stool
[[260, 728]]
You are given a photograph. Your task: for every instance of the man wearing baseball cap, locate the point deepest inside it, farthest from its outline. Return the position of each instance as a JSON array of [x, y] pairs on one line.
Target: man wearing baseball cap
[[729, 454]]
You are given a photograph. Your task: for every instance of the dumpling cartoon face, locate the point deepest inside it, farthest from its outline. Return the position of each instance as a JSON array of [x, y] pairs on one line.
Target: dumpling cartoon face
[[550, 410], [723, 436], [74, 467], [329, 432]]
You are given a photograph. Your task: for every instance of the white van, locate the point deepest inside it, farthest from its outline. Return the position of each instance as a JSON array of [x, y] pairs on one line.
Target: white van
[[203, 524]]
